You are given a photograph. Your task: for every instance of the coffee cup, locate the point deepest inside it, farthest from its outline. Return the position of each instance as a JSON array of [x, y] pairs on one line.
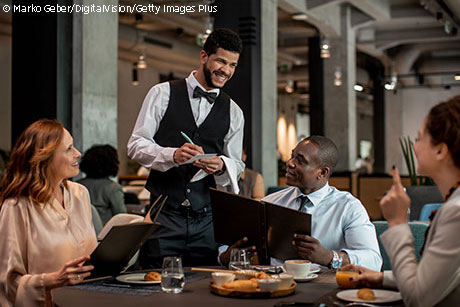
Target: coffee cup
[[286, 280], [298, 268]]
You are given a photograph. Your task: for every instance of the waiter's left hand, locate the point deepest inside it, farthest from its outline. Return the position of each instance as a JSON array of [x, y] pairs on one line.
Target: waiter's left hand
[[210, 165]]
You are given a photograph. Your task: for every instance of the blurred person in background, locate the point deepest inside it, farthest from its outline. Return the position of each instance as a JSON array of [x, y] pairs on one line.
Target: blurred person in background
[[99, 163], [251, 183]]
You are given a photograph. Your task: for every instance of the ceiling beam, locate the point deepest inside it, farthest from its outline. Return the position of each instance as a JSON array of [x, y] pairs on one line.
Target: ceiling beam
[[287, 57], [325, 18], [388, 39], [312, 4], [376, 9], [410, 12], [157, 45], [358, 18]]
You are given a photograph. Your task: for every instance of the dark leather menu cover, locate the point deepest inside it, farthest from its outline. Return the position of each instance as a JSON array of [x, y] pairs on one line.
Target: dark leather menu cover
[[235, 217], [118, 247], [282, 224], [269, 227]]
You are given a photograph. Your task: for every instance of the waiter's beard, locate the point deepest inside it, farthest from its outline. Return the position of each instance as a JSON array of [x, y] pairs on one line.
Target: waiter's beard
[[208, 78]]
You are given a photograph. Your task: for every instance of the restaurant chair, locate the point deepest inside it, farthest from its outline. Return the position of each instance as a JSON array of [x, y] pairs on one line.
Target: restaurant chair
[[426, 211], [421, 195], [418, 231], [97, 222]]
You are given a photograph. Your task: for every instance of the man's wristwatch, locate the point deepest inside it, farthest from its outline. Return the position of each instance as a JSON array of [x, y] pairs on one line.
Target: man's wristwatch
[[336, 262]]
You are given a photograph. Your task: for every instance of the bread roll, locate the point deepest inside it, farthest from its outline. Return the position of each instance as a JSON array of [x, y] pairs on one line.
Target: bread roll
[[152, 276], [366, 294], [241, 285]]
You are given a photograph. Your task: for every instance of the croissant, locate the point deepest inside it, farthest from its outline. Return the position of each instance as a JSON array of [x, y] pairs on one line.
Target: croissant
[[366, 294]]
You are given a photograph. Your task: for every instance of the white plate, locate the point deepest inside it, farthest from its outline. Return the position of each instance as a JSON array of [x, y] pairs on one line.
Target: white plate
[[381, 296], [136, 279], [306, 278]]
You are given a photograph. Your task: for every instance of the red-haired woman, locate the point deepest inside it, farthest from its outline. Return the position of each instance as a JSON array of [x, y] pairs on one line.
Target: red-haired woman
[[436, 279], [45, 221]]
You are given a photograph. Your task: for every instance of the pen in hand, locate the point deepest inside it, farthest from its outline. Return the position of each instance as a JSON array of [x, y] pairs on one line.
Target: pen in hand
[[186, 137]]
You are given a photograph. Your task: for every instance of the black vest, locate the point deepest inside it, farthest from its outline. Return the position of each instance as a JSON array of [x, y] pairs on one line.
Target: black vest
[[210, 135]]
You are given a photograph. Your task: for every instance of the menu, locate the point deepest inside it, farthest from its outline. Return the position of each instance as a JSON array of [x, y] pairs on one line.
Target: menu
[[267, 226]]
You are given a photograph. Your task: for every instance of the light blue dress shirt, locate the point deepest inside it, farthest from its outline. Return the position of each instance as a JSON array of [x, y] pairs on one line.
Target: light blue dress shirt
[[339, 221]]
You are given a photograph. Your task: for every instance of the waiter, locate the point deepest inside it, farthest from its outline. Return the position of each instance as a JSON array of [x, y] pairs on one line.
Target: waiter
[[178, 120]]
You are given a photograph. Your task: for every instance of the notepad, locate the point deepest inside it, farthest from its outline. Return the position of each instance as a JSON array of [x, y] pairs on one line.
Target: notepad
[[198, 157], [269, 227]]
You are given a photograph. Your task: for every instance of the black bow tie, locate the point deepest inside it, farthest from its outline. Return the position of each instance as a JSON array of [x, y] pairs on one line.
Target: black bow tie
[[198, 93]]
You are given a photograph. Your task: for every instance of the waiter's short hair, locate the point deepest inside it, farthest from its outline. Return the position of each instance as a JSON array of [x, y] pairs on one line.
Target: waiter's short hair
[[327, 154], [225, 39]]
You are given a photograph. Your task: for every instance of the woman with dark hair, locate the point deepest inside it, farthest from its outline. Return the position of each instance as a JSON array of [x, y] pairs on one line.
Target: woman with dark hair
[[45, 220], [99, 163], [436, 279]]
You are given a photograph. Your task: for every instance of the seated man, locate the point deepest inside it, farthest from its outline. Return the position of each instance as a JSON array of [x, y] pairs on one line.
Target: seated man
[[341, 230]]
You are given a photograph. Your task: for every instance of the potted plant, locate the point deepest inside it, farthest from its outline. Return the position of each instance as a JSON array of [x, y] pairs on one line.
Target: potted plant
[[422, 189]]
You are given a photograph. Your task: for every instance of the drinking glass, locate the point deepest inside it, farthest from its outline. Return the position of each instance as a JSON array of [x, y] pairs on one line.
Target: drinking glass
[[343, 278], [239, 259], [172, 276]]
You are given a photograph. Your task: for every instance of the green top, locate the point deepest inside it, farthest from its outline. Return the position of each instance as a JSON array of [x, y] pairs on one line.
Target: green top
[[107, 196]]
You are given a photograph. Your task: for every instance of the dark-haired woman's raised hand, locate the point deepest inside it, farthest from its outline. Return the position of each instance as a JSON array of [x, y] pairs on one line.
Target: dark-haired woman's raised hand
[[71, 273], [366, 277], [396, 202]]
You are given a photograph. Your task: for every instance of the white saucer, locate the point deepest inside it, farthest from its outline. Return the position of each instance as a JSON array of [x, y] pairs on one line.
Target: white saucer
[[306, 278], [136, 279], [315, 268]]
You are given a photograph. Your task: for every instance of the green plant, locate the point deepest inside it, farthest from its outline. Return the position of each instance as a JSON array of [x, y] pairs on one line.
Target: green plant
[[406, 146]]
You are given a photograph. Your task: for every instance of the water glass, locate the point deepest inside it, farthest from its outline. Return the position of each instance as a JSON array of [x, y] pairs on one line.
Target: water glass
[[172, 276], [239, 259]]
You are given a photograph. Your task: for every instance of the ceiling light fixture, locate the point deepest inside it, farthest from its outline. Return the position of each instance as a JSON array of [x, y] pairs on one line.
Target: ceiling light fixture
[[325, 52], [338, 76], [142, 64], [391, 86], [209, 25], [135, 80], [289, 88], [388, 87], [299, 16], [358, 87], [457, 77]]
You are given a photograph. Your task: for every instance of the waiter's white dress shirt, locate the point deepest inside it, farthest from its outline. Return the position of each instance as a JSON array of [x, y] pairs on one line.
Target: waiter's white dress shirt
[[143, 148]]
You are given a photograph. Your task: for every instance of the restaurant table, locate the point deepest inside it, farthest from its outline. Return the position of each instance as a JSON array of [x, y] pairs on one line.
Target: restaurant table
[[197, 293]]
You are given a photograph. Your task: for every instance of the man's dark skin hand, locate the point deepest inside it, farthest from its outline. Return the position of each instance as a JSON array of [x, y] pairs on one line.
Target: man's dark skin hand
[[225, 256], [310, 248]]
